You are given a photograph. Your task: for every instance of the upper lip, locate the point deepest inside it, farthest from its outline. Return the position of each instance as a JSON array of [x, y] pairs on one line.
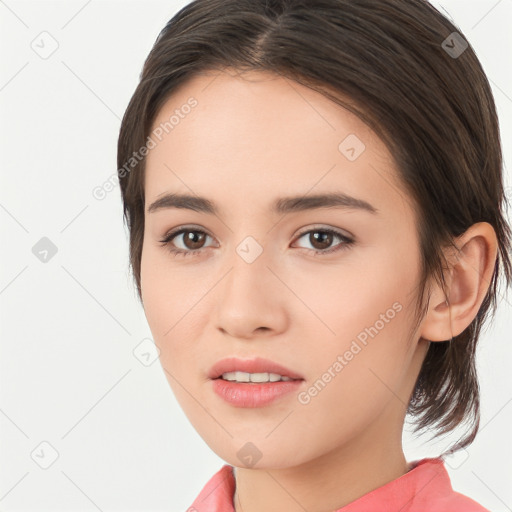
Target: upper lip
[[255, 365]]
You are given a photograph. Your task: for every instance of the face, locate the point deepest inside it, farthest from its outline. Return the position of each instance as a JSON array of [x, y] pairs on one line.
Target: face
[[326, 290]]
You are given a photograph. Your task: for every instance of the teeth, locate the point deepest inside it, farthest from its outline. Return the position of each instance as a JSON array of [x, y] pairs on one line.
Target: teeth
[[253, 377]]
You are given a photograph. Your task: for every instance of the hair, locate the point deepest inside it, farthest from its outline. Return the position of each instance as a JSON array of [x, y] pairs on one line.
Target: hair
[[434, 111]]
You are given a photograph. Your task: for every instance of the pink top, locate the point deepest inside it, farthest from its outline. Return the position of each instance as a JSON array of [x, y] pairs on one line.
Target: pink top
[[424, 488]]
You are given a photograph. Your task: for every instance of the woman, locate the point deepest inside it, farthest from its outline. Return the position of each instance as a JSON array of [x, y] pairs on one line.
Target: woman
[[314, 194]]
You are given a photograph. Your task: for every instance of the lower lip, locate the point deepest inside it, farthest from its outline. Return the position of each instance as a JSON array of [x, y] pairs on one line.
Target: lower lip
[[253, 394]]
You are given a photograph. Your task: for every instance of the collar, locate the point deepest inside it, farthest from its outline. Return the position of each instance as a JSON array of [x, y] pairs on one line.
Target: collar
[[426, 486]]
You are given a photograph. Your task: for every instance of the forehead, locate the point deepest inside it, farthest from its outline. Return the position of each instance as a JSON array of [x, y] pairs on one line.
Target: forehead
[[254, 97], [260, 132]]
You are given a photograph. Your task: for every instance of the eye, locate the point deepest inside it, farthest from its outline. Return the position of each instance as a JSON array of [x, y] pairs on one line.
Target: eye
[[322, 238], [194, 239]]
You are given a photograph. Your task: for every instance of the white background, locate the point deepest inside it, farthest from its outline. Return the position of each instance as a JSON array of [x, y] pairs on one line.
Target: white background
[[69, 327]]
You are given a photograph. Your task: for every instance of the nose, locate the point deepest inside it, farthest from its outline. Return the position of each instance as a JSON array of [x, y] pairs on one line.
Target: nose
[[251, 298]]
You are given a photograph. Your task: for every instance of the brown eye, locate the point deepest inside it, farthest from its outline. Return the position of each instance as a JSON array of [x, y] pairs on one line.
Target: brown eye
[[193, 239], [192, 242], [320, 240]]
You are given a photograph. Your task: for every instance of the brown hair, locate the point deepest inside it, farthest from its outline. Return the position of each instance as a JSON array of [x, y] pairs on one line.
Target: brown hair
[[412, 81]]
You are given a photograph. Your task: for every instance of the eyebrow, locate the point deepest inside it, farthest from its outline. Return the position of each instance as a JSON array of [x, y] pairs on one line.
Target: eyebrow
[[282, 205]]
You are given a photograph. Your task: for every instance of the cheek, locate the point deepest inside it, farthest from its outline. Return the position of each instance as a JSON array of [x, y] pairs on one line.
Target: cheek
[[347, 299], [174, 302], [352, 381], [367, 346], [167, 292]]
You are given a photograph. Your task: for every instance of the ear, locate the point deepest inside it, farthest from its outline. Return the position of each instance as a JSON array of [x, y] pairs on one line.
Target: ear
[[469, 275]]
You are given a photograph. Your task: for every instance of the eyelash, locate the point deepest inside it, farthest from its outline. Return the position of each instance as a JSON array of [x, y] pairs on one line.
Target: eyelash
[[180, 252]]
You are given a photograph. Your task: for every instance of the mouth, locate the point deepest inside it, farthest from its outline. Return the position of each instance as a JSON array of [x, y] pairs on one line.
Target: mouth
[[255, 370], [252, 383], [254, 378]]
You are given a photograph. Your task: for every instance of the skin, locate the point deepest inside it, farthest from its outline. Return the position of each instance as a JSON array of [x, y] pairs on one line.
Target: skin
[[251, 139]]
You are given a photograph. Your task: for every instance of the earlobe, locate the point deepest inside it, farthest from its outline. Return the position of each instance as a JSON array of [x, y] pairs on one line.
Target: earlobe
[[468, 279]]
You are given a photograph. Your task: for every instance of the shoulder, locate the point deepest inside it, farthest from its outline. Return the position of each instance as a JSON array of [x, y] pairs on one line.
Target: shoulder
[[459, 502], [440, 496], [217, 494]]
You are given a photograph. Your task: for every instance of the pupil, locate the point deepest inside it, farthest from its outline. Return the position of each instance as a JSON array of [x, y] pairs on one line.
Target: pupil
[[191, 236], [322, 236]]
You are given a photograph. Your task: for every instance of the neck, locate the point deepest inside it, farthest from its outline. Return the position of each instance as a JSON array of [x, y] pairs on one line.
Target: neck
[[328, 482]]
